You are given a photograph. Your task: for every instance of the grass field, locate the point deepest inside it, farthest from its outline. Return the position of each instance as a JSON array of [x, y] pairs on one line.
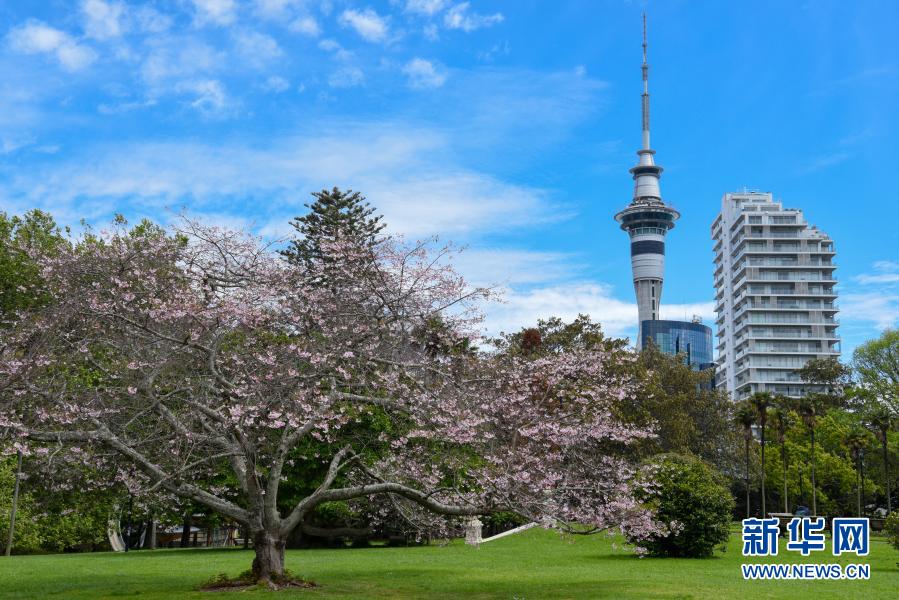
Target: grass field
[[535, 564]]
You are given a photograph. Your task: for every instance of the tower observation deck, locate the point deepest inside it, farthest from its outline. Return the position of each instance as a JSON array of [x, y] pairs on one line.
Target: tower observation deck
[[647, 219]]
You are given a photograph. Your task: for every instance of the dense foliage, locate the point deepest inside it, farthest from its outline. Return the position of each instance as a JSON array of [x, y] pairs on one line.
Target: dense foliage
[[891, 528], [693, 499], [688, 417], [51, 520]]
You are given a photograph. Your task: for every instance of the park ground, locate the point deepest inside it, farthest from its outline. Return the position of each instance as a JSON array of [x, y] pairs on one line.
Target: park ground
[[535, 564]]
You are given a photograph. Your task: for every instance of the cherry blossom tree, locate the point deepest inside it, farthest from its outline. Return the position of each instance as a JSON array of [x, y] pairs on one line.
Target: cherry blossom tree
[[174, 358]]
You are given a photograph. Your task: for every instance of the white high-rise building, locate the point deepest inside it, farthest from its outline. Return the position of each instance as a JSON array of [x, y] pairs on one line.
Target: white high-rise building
[[775, 298]]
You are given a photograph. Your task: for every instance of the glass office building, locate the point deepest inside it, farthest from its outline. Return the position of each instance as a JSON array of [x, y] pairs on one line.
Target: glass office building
[[692, 339]]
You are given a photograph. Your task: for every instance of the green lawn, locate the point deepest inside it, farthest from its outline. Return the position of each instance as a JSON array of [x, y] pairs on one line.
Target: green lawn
[[535, 564]]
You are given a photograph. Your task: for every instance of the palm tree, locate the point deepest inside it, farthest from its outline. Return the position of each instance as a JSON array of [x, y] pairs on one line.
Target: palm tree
[[810, 407], [783, 421], [745, 417], [760, 401], [855, 440], [879, 418]]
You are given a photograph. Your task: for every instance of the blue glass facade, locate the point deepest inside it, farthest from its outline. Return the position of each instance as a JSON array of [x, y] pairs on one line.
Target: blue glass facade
[[693, 340]]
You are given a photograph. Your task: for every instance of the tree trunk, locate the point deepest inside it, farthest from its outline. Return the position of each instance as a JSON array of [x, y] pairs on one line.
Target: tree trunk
[[783, 456], [185, 531], [747, 478], [862, 463], [886, 473], [858, 483], [764, 508], [15, 504], [151, 534], [130, 514], [814, 483], [268, 565]]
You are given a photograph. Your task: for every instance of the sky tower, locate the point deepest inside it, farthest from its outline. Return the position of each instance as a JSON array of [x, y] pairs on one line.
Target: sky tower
[[646, 220]]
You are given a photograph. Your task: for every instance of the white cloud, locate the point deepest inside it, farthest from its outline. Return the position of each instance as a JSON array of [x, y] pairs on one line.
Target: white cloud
[[425, 7], [276, 9], [35, 37], [880, 308], [257, 48], [306, 25], [367, 23], [110, 19], [408, 163], [209, 96], [423, 74], [339, 52], [458, 17], [151, 20], [878, 299], [172, 59], [499, 49], [10, 144], [276, 84], [123, 107], [514, 267], [346, 77], [75, 57], [887, 272], [567, 300], [826, 161], [103, 20], [216, 12], [431, 32]]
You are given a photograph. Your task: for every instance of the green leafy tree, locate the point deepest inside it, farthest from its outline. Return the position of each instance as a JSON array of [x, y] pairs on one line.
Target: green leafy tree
[[553, 336], [876, 363], [891, 528], [837, 471], [335, 217], [21, 289], [879, 418], [693, 498], [830, 377], [20, 282], [689, 417]]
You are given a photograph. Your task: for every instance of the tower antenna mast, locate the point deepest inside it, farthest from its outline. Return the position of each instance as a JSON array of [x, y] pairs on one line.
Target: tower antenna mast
[[645, 98]]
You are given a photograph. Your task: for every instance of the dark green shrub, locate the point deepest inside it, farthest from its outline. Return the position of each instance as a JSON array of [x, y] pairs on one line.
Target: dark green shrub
[[891, 529], [692, 499]]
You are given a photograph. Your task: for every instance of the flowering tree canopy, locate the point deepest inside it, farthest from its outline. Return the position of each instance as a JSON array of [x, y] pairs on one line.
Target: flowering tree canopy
[[174, 358]]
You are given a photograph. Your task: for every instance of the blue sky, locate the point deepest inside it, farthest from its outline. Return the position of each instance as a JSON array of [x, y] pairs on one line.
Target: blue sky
[[505, 126]]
